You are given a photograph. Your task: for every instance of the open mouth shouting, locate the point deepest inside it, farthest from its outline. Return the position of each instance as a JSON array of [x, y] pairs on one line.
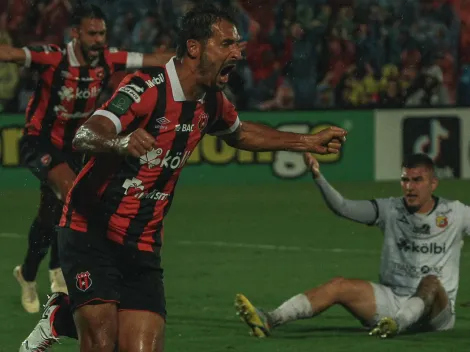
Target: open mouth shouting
[[225, 72]]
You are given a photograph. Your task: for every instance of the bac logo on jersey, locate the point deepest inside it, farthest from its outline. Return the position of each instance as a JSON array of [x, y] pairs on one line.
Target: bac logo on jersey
[[185, 127], [133, 91], [84, 281], [203, 120], [155, 81], [442, 221]]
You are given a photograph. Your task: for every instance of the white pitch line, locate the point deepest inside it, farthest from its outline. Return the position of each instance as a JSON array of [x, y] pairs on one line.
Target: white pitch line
[[268, 247], [272, 247]]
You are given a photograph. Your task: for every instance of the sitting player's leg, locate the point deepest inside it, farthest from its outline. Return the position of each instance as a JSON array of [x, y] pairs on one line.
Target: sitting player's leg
[[429, 307], [142, 310], [357, 296], [39, 239]]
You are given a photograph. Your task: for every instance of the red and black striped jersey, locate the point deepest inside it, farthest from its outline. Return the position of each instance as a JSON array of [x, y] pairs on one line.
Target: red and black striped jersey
[[67, 92], [128, 198]]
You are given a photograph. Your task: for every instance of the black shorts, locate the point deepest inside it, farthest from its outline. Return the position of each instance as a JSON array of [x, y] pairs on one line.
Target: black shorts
[[98, 270], [41, 157]]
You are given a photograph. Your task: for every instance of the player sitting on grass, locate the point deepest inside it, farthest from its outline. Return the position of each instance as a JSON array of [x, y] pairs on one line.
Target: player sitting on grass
[[419, 268]]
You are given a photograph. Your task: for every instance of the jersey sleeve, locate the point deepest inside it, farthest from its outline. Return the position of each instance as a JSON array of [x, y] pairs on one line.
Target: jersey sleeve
[[465, 216], [123, 60], [131, 103], [227, 121], [41, 56], [382, 208]]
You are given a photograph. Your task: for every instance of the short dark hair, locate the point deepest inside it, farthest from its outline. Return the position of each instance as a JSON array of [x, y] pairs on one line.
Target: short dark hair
[[417, 160], [86, 11], [197, 24]]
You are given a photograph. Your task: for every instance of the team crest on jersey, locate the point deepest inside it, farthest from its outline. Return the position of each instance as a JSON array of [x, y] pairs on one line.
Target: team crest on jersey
[[46, 159], [442, 221], [84, 281], [99, 72], [203, 120]]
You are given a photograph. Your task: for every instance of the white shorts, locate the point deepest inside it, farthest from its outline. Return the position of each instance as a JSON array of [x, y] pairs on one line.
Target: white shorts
[[388, 304]]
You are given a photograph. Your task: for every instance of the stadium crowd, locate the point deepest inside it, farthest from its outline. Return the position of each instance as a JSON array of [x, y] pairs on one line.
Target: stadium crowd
[[300, 54]]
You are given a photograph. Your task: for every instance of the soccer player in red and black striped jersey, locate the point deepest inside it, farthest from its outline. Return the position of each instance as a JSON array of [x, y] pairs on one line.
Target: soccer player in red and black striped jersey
[[112, 224], [71, 79]]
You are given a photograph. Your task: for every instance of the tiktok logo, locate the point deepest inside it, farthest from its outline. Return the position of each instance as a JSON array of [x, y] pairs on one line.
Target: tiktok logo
[[437, 136], [431, 143]]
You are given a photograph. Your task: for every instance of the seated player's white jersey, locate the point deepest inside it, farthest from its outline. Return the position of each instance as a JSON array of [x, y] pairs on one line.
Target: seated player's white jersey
[[416, 245]]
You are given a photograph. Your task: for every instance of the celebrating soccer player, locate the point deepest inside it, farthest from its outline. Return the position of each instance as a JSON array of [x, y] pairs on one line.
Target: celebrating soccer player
[[71, 79], [112, 224], [419, 269]]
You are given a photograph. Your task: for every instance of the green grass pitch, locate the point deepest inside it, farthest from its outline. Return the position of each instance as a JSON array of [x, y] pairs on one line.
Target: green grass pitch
[[266, 241]]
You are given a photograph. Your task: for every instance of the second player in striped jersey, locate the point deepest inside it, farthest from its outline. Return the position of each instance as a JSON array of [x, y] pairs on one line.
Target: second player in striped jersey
[[71, 78]]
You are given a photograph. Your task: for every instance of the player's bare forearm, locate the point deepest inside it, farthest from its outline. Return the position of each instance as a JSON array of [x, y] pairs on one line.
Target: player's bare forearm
[[98, 135], [11, 54], [256, 137]]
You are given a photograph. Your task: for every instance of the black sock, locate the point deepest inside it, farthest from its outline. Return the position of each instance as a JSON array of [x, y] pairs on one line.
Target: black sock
[[54, 257], [63, 323], [38, 245]]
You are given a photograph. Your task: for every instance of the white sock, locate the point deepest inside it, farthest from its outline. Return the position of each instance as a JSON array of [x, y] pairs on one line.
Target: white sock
[[297, 307], [410, 312]]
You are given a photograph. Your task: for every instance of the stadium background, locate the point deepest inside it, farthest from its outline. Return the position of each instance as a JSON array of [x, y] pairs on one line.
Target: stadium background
[[393, 72]]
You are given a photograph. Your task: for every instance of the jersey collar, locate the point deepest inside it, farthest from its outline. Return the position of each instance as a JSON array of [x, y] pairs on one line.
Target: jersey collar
[[436, 203], [73, 60], [177, 90]]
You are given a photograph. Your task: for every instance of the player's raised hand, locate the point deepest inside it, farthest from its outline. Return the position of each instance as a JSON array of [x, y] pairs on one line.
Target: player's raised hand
[[137, 143], [312, 164], [327, 141]]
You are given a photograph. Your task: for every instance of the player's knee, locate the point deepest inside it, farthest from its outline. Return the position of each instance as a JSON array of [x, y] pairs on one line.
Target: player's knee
[[338, 286], [338, 281], [430, 281]]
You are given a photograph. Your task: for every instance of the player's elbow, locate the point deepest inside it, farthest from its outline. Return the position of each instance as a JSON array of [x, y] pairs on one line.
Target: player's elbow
[[79, 141]]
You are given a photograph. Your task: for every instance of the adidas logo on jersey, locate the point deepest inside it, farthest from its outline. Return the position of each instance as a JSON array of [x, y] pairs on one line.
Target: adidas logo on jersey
[[405, 245]]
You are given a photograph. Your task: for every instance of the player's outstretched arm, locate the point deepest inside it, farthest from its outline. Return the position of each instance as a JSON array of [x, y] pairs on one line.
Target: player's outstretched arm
[[156, 59], [257, 137], [363, 211], [12, 54]]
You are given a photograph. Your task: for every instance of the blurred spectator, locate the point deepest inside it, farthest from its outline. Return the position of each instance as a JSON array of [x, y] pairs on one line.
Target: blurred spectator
[[428, 89], [300, 54], [9, 76]]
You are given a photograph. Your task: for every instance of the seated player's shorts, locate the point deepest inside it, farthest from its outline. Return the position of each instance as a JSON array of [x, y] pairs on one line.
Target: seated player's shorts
[[388, 303], [98, 270], [41, 157]]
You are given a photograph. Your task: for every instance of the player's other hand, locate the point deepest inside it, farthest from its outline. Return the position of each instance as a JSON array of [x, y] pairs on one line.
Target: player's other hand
[[137, 143], [327, 141], [312, 164]]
